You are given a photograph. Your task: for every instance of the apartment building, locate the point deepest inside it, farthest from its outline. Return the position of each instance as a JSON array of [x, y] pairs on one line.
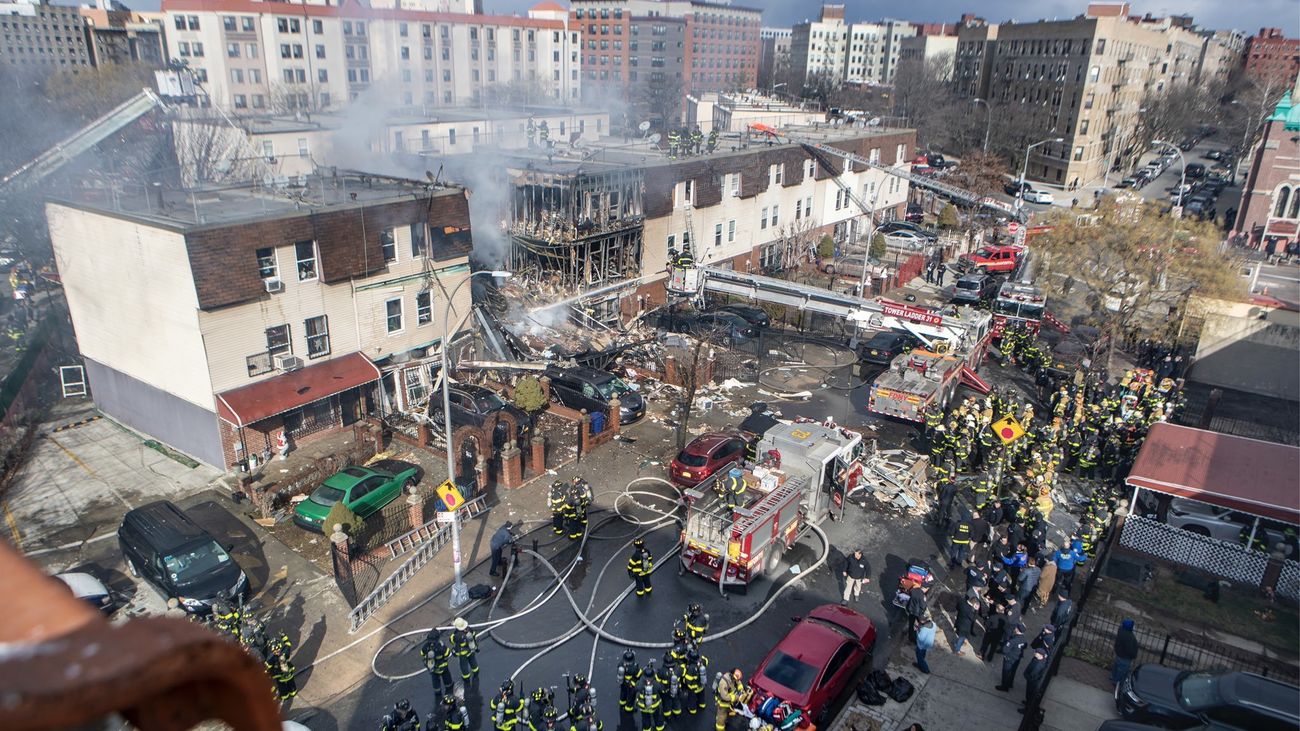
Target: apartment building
[[124, 37], [937, 49], [1222, 55], [1269, 213], [773, 56], [42, 36], [215, 319], [1081, 79], [834, 49], [629, 45], [1271, 55], [261, 55], [755, 208]]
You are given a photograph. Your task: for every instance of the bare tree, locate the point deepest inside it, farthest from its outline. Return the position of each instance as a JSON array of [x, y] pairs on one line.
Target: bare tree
[[979, 172], [209, 150], [798, 243], [690, 383], [660, 101], [294, 98]]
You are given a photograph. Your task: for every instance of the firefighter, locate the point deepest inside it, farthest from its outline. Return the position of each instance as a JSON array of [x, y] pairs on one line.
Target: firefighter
[[532, 133], [465, 645], [581, 693], [454, 716], [686, 259], [437, 660], [226, 618], [947, 489], [732, 488], [696, 622], [540, 706], [674, 141], [668, 678], [649, 700], [555, 500], [961, 538], [729, 691], [568, 509], [713, 140], [628, 675], [544, 133], [639, 567], [677, 652], [282, 672], [572, 511], [401, 718], [580, 491], [694, 673], [506, 708], [933, 419], [280, 645], [583, 718], [697, 138]]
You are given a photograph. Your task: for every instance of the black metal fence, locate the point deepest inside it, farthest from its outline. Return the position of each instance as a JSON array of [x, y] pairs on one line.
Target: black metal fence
[[1094, 639]]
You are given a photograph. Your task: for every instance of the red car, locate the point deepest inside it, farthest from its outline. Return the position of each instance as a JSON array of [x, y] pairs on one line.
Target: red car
[[814, 662], [705, 455], [991, 259]]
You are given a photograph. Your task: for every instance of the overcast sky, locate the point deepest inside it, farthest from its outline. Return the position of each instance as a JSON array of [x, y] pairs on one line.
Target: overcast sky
[[1244, 15]]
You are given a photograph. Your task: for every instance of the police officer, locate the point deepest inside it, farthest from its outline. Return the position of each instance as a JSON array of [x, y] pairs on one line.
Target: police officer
[[465, 645], [506, 708], [696, 622], [629, 673], [1013, 650], [555, 499], [729, 691], [649, 700], [437, 660], [639, 567], [694, 673], [540, 706], [401, 718], [454, 716]]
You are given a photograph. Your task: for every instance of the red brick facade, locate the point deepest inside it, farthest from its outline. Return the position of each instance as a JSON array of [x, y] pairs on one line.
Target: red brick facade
[[1270, 55]]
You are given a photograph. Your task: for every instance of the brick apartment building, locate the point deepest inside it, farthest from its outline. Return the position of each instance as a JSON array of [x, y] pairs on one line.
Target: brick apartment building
[[1269, 213], [214, 320], [1270, 55]]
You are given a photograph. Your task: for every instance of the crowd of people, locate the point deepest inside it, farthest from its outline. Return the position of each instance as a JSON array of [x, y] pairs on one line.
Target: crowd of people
[[684, 142], [654, 691]]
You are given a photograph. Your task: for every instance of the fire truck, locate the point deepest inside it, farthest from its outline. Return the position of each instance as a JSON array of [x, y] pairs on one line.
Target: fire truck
[[1018, 303], [813, 467]]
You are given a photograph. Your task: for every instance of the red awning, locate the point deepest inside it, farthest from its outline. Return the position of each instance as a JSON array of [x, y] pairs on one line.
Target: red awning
[[1249, 475], [250, 404]]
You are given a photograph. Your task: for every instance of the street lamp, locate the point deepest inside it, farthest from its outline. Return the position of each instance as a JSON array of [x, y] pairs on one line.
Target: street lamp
[[459, 592], [988, 123], [1182, 175], [1024, 170]]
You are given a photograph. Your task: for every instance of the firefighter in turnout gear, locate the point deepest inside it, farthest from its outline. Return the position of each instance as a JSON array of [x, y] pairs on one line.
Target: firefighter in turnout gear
[[713, 140], [454, 716], [728, 692], [581, 692], [732, 488], [544, 134], [649, 700], [555, 499], [697, 139], [580, 499], [628, 675], [506, 708], [674, 143], [669, 679], [437, 660], [694, 674], [541, 707], [696, 622], [401, 718], [583, 718], [465, 645], [282, 672], [226, 618], [639, 567], [677, 653]]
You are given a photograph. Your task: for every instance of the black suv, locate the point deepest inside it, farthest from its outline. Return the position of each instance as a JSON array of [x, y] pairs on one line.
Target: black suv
[[753, 315], [1182, 699], [473, 405], [166, 548], [884, 346], [590, 389]]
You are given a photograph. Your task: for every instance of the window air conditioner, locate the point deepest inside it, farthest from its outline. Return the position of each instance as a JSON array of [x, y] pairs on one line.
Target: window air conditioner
[[273, 284], [287, 362]]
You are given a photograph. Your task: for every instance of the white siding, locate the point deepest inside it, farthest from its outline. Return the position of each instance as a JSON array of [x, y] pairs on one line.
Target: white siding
[[131, 296]]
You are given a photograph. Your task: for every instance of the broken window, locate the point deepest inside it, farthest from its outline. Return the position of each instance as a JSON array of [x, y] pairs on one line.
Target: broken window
[[415, 391], [393, 315], [423, 309], [318, 336], [305, 253], [266, 268], [277, 340], [419, 240], [388, 244]]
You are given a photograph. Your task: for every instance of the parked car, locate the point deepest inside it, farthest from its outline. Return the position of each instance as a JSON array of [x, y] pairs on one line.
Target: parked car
[[815, 661], [591, 389], [937, 161], [1015, 187], [363, 489], [915, 214], [1034, 195], [908, 239], [1199, 207], [886, 345], [1195, 170], [1214, 155], [850, 265], [473, 405], [971, 289], [988, 259], [1127, 183], [753, 315], [705, 455], [891, 227], [178, 558], [1183, 699], [1222, 524], [89, 589]]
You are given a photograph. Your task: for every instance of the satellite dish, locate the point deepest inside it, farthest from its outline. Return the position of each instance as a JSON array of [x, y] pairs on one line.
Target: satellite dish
[[644, 126], [654, 139], [873, 122]]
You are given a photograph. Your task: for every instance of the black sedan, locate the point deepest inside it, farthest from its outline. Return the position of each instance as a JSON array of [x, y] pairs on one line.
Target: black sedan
[[753, 315], [894, 227], [883, 347], [1175, 698], [473, 405]]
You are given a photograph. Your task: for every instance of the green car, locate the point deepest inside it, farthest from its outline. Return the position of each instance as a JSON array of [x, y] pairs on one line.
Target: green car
[[362, 489]]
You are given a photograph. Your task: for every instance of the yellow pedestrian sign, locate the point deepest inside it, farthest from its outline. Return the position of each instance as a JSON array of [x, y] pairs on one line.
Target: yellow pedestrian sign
[[1007, 429], [450, 496]]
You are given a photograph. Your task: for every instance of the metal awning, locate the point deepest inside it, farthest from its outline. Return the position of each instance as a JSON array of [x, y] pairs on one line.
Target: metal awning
[[252, 403], [1238, 473]]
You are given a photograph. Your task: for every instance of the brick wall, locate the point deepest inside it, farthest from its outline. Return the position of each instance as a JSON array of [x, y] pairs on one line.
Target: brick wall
[[224, 262]]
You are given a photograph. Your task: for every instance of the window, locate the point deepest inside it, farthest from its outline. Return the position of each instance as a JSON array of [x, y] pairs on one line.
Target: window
[[305, 257], [251, 49], [776, 213], [419, 240], [193, 21], [266, 267], [183, 48], [246, 22], [393, 315], [320, 51], [277, 340], [268, 150], [762, 222], [237, 76], [415, 392], [778, 174], [318, 336], [317, 27], [1078, 153], [388, 240], [809, 169], [180, 22], [731, 230], [232, 50], [423, 308], [302, 147], [322, 75], [717, 234], [798, 210], [734, 184]]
